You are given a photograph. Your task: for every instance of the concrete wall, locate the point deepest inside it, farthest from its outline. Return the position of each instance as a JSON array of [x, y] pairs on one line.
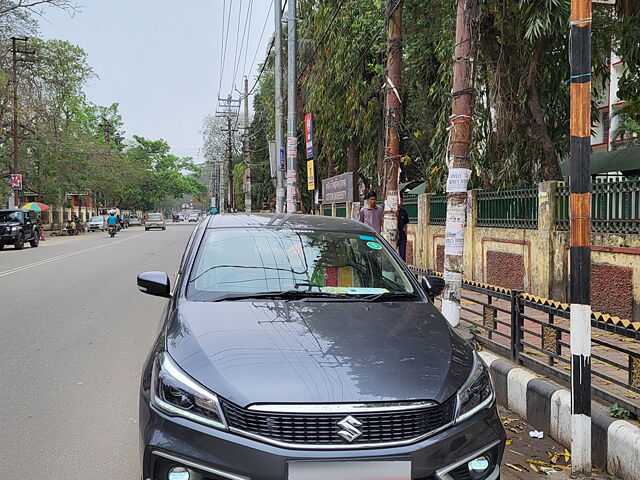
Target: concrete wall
[[535, 260]]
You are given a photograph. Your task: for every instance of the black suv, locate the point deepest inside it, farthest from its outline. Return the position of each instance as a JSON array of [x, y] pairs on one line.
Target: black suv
[[18, 227]]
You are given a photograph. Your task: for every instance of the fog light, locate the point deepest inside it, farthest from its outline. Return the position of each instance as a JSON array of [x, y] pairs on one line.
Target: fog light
[[479, 466], [179, 473]]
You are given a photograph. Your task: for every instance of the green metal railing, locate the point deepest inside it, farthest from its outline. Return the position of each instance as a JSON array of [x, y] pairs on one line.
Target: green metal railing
[[615, 206], [410, 204], [511, 208], [438, 209]]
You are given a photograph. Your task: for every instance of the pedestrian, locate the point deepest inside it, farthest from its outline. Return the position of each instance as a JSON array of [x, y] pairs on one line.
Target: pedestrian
[[371, 213], [72, 227], [403, 221]]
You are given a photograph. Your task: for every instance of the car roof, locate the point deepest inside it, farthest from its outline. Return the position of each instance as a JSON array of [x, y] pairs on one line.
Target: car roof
[[23, 210], [287, 221]]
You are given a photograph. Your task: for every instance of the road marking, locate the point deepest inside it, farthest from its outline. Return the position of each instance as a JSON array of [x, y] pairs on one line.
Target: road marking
[[66, 255]]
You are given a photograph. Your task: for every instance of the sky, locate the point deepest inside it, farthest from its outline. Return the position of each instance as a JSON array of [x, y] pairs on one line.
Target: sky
[[161, 60]]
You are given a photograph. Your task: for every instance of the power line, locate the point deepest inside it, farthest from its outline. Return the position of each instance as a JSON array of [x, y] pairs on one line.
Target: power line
[[225, 42], [246, 50], [260, 41], [235, 55]]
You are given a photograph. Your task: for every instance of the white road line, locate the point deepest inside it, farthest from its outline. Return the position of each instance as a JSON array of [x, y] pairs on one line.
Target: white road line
[[66, 255]]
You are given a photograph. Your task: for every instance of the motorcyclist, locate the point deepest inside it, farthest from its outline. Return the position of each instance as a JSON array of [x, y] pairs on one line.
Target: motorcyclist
[[112, 221]]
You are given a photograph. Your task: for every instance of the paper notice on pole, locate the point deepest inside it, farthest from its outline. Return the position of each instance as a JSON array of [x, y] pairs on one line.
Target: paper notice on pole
[[454, 238], [391, 202], [452, 277], [280, 192], [292, 175], [355, 211], [458, 179], [292, 147]]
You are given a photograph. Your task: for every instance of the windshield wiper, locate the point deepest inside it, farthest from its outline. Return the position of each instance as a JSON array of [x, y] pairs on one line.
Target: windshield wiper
[[284, 295], [388, 295]]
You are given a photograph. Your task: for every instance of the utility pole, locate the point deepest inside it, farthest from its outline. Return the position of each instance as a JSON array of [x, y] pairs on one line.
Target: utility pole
[[230, 197], [292, 132], [393, 114], [580, 226], [280, 189], [458, 162], [228, 108], [245, 145], [15, 131]]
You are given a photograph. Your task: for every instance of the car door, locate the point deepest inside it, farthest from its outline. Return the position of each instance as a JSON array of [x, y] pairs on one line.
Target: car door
[[29, 222]]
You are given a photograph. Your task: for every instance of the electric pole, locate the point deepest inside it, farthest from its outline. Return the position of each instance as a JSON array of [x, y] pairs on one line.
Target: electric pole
[[292, 132], [393, 113], [15, 132], [460, 125], [580, 226], [245, 145], [228, 108], [280, 189]]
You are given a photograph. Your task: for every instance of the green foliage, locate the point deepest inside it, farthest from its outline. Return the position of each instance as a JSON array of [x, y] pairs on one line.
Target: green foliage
[[72, 146], [616, 411], [521, 122]]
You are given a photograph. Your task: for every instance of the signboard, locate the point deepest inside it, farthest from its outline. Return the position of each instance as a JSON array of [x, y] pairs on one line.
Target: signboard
[[282, 158], [308, 134], [311, 177], [16, 181], [338, 189]]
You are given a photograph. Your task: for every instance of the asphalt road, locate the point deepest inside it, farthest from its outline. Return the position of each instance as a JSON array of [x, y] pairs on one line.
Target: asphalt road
[[74, 332]]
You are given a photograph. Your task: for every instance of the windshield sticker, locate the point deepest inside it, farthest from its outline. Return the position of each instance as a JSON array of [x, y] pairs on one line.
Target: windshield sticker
[[374, 245], [353, 290], [364, 237]]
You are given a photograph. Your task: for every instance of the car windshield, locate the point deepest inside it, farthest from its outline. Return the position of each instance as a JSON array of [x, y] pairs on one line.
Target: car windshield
[[96, 219], [154, 216], [10, 216], [253, 260]]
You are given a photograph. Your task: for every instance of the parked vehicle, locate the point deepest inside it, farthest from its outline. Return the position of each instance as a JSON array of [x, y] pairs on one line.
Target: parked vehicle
[[302, 347], [193, 217], [155, 220], [18, 226], [96, 223], [134, 221]]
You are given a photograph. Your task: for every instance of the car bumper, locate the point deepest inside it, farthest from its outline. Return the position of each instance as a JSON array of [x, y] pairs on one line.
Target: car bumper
[[9, 238], [154, 225], [96, 227], [209, 454]]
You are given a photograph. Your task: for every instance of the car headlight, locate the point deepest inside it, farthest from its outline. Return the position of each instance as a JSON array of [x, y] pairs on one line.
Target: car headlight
[[14, 229], [174, 392], [477, 391]]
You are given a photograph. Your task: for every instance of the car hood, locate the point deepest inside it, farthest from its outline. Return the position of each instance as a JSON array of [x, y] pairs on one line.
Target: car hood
[[318, 352], [9, 224]]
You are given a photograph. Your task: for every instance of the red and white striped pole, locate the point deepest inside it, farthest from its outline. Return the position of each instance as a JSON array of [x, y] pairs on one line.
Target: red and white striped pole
[[580, 250]]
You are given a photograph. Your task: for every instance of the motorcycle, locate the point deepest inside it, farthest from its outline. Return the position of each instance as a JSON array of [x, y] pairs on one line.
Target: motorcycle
[[113, 229]]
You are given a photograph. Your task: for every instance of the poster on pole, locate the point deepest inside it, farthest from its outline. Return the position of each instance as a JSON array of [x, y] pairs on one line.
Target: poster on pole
[[273, 159], [16, 181], [311, 178], [308, 134], [292, 147]]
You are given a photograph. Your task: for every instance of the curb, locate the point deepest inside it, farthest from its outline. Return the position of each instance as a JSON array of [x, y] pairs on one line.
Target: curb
[[615, 444]]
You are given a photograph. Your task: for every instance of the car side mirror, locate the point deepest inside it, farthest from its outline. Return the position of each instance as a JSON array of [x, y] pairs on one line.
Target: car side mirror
[[154, 283], [433, 285]]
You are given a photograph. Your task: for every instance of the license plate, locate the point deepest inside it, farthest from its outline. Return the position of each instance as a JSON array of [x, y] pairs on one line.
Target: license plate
[[362, 470]]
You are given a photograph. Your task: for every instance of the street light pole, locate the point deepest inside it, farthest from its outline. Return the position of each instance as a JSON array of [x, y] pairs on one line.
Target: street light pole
[[247, 167], [280, 189], [580, 246], [292, 134]]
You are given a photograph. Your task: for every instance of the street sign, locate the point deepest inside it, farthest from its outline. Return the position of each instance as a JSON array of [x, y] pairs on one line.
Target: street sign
[[311, 178], [281, 158], [16, 181], [308, 134], [338, 189]]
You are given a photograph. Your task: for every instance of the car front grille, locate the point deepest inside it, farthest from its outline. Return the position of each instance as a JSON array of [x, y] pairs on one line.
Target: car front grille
[[321, 430]]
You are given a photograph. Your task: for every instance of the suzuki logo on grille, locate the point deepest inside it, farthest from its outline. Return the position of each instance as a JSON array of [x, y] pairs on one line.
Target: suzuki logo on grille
[[349, 428]]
